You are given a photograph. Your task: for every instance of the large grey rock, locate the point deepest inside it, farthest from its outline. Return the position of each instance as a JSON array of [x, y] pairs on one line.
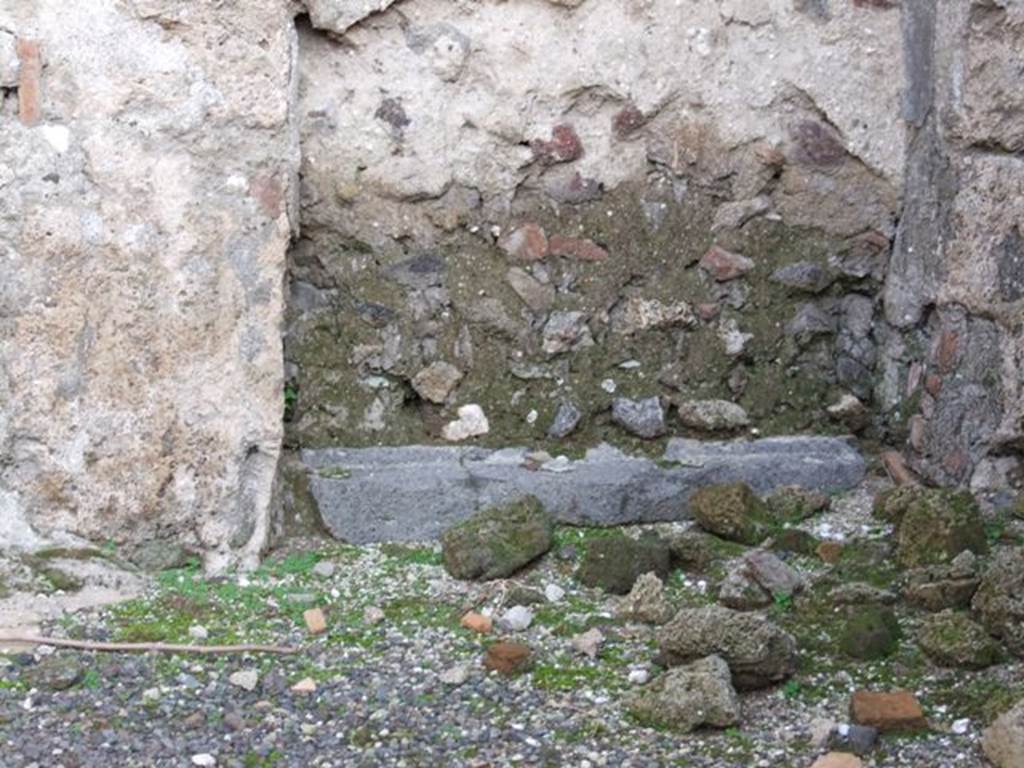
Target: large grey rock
[[758, 652], [687, 697], [416, 492], [566, 419]]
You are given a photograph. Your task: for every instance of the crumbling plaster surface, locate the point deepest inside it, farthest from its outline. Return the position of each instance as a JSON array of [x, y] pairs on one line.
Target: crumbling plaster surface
[[472, 84], [145, 172]]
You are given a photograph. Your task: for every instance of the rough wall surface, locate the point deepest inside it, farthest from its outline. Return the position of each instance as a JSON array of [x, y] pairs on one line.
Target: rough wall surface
[[535, 207], [954, 290], [145, 158], [538, 206]]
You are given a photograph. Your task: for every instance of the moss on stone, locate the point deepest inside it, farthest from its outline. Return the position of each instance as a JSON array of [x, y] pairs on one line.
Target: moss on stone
[[785, 388], [69, 553], [891, 504], [937, 526], [614, 563], [731, 511], [952, 639], [870, 562], [299, 507], [61, 580], [795, 540], [498, 541], [1017, 508], [870, 632]]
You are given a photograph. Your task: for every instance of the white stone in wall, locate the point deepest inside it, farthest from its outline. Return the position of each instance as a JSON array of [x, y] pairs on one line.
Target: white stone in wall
[[472, 422]]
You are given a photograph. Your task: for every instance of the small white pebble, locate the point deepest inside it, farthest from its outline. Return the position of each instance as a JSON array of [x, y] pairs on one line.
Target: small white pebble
[[639, 676], [960, 727], [553, 593], [456, 675], [516, 619], [204, 759], [198, 632], [324, 569]]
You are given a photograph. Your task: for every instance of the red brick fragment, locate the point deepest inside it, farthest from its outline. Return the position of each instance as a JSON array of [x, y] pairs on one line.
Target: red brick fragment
[[507, 658], [897, 469], [945, 352], [933, 384], [627, 121], [29, 76], [888, 711], [564, 146], [577, 248], [527, 242], [725, 265]]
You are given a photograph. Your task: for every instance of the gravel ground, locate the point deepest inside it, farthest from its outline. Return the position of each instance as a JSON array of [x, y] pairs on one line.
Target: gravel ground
[[381, 698]]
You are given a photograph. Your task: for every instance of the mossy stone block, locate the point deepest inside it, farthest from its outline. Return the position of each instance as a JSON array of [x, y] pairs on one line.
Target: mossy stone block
[[498, 541], [614, 563], [871, 632], [937, 526], [731, 511]]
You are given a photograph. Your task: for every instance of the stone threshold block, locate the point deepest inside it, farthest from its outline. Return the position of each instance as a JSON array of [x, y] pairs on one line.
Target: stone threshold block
[[414, 493]]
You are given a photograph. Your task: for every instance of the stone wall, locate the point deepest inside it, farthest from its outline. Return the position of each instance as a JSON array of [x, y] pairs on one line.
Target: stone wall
[[954, 291], [540, 208], [530, 206]]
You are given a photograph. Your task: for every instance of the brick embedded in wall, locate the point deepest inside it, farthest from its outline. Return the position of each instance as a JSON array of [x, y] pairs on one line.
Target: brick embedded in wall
[[29, 77]]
